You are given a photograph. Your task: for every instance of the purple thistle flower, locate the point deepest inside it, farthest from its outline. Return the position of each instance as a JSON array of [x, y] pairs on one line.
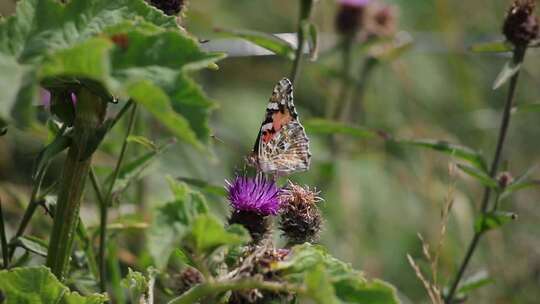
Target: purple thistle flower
[[254, 194]]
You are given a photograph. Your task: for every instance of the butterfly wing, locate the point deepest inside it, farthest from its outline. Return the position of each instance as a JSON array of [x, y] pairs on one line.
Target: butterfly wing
[[287, 152], [282, 146]]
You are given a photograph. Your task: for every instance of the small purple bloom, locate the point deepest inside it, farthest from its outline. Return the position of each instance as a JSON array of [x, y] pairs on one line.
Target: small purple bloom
[[254, 194], [354, 3], [45, 97]]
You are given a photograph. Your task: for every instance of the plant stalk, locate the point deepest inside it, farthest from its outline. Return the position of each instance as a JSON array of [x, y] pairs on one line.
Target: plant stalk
[[306, 6], [29, 212], [89, 117], [106, 202], [3, 239], [208, 289], [518, 56]]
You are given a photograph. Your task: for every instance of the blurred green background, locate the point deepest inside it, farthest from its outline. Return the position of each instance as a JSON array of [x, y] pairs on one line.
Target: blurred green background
[[378, 196]]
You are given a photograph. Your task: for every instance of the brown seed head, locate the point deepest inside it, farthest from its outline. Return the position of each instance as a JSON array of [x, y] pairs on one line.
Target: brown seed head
[[521, 25]]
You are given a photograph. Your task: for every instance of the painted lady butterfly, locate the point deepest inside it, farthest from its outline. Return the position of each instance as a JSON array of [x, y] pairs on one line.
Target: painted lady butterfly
[[282, 146]]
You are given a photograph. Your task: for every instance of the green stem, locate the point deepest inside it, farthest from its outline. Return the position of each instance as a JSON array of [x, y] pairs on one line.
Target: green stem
[[207, 289], [89, 117], [29, 212], [519, 55], [345, 91], [3, 238], [357, 111], [107, 202], [306, 7]]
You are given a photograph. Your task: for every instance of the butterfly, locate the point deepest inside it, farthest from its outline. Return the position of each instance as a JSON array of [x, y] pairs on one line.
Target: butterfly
[[282, 146]]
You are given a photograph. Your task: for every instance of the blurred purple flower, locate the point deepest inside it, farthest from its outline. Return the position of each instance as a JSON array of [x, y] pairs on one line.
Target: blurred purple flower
[[45, 98], [350, 16], [355, 3], [254, 194]]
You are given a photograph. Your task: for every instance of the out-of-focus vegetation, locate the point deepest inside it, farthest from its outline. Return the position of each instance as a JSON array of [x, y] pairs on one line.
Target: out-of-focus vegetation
[[378, 194]]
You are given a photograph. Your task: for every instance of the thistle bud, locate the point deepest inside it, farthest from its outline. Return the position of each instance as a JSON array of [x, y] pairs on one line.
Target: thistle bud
[[521, 25], [187, 279], [382, 20], [505, 179], [300, 219]]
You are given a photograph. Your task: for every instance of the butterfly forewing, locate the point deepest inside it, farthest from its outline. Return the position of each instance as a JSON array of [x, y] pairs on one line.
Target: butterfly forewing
[[282, 146]]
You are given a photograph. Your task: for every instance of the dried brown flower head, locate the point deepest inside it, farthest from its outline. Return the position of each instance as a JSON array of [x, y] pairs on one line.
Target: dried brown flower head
[[521, 25], [300, 220]]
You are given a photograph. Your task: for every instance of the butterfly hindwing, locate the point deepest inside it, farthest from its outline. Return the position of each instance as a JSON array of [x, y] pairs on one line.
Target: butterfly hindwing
[[282, 146]]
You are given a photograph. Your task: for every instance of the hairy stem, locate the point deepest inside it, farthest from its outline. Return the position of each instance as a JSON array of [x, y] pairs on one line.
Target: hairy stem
[[519, 54], [207, 289], [89, 117], [106, 202]]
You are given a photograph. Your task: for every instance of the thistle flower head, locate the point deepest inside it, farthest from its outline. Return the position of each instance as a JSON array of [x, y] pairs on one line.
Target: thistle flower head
[[521, 25], [350, 15], [382, 20], [300, 220], [258, 195]]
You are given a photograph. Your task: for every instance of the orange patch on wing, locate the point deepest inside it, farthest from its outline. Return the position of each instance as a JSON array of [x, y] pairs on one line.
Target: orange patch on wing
[[278, 121]]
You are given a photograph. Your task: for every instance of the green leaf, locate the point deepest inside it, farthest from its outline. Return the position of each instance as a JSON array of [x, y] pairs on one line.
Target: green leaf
[[510, 69], [319, 286], [204, 186], [132, 171], [491, 47], [11, 80], [350, 285], [493, 220], [59, 144], [156, 101], [521, 183], [37, 285], [207, 234], [270, 42], [458, 151], [115, 49], [43, 26], [324, 126], [85, 60], [482, 177], [474, 282], [172, 221], [33, 244], [526, 108], [143, 141]]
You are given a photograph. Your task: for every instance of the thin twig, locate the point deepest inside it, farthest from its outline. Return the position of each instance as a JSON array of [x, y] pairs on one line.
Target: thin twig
[[5, 255], [519, 54], [108, 197]]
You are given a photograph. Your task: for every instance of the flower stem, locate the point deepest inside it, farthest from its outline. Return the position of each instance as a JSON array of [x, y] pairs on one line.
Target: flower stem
[[106, 202], [207, 289], [518, 56], [29, 212], [89, 117], [306, 7], [3, 239]]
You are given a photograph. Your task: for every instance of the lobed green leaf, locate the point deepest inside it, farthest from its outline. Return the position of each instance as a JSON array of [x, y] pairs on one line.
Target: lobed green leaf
[[36, 285]]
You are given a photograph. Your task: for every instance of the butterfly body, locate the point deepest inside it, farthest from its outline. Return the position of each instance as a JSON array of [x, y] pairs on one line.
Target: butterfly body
[[282, 146]]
